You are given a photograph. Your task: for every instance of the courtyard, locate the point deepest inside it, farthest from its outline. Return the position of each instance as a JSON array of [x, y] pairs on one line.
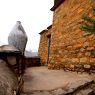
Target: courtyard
[[42, 81]]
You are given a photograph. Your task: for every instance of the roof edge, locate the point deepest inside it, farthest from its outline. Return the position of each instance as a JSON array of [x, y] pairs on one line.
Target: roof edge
[[43, 31], [49, 27], [57, 3]]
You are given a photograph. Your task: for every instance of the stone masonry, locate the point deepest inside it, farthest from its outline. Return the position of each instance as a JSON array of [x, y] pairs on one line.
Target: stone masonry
[[43, 47], [69, 45], [43, 51]]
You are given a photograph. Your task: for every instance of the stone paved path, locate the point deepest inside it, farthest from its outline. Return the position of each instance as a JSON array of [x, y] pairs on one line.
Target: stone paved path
[[41, 81]]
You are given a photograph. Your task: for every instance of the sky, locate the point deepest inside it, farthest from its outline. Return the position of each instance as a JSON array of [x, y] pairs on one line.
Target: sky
[[35, 16]]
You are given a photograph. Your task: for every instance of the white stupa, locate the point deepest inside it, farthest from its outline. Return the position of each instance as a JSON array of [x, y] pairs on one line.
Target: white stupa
[[18, 37]]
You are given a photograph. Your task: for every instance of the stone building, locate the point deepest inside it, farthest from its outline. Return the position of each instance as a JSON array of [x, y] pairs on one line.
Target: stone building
[[64, 43], [45, 43]]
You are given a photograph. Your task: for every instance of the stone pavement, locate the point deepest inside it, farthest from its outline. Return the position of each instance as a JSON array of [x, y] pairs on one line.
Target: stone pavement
[[42, 81]]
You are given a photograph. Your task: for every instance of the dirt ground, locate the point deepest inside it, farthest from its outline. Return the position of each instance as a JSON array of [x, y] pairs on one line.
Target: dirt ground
[[42, 81]]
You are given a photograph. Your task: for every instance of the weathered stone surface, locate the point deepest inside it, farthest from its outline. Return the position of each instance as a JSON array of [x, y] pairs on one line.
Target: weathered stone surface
[[90, 48], [92, 60], [87, 66], [83, 60], [8, 80], [18, 37], [43, 47], [59, 91], [41, 93], [68, 43], [88, 54], [77, 46], [85, 92], [75, 60], [41, 81]]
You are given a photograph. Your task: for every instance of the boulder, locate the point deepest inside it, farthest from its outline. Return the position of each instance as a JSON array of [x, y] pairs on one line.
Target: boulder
[[18, 37], [8, 80]]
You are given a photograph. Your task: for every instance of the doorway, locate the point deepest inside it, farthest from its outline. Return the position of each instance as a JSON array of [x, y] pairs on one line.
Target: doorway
[[49, 49]]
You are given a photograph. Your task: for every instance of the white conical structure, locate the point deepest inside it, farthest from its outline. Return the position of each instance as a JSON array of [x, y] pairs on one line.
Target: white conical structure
[[18, 37]]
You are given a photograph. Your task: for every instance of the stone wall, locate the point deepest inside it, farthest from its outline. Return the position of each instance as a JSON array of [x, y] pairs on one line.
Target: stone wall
[[43, 46], [69, 45], [32, 61]]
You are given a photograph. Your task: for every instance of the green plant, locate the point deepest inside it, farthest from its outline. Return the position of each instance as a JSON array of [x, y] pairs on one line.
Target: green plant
[[88, 23], [93, 53]]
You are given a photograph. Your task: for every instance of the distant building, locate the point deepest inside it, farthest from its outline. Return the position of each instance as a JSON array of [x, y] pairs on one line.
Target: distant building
[[64, 43]]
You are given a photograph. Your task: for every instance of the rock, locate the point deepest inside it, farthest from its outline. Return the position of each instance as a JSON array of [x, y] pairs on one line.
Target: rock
[[58, 92], [18, 37], [75, 60], [86, 44], [85, 92], [83, 60], [41, 93], [87, 66], [8, 80]]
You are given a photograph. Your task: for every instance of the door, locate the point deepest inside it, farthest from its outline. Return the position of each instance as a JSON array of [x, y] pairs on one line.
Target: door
[[49, 49]]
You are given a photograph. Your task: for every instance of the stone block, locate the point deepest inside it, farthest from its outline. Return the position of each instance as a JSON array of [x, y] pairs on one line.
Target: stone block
[[72, 66], [69, 47], [84, 60], [80, 10], [82, 50], [86, 44], [80, 54], [90, 48], [75, 60], [77, 46], [88, 53], [92, 60], [87, 66]]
